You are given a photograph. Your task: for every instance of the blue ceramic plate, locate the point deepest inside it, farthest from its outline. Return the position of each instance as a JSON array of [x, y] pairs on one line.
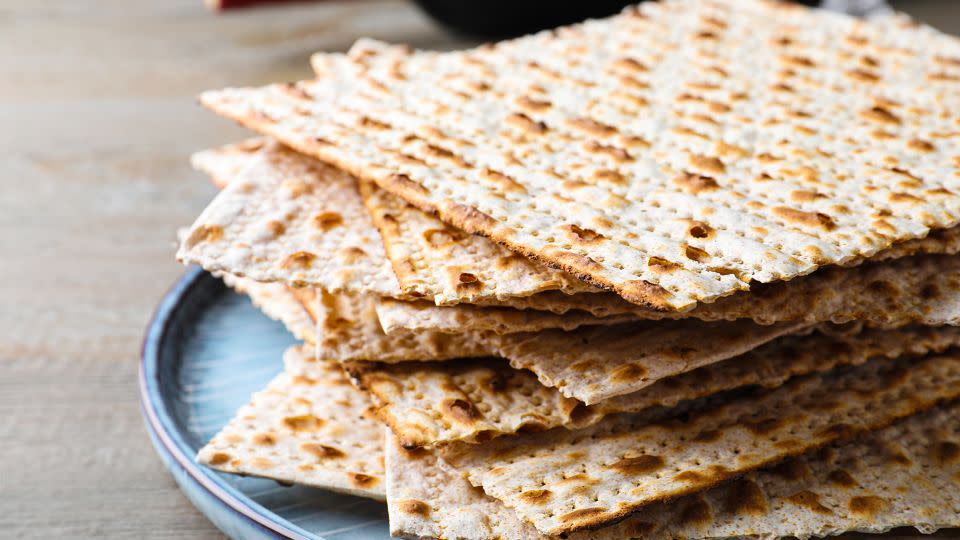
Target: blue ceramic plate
[[206, 351]]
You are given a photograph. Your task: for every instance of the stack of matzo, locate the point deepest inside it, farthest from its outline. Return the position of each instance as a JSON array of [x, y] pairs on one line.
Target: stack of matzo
[[689, 271]]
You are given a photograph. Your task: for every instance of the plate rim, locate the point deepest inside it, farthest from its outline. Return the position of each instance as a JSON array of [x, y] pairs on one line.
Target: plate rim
[[168, 440]]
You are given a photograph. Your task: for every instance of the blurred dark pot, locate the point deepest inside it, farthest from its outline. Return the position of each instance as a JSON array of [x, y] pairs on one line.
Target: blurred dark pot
[[507, 18]]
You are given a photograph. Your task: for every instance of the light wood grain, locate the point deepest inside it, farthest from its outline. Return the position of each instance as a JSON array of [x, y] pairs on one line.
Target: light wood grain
[[97, 119]]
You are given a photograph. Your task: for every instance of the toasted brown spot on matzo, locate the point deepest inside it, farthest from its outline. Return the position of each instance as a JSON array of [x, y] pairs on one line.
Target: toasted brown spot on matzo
[[536, 496], [630, 64], [638, 465], [798, 61], [921, 145], [592, 127], [745, 497], [810, 501], [689, 476], [699, 229], [323, 451], [583, 515], [817, 220], [219, 458], [300, 259], [470, 218], [863, 75], [695, 254], [880, 114], [531, 104], [582, 235], [617, 154], [661, 265], [609, 175], [628, 372], [265, 439], [841, 478], [404, 184], [806, 195], [362, 481], [466, 278], [868, 505], [351, 254], [304, 422], [904, 197], [696, 183], [443, 153], [708, 164], [205, 233], [460, 411], [327, 220], [276, 228], [525, 123], [414, 507], [641, 291], [370, 123]]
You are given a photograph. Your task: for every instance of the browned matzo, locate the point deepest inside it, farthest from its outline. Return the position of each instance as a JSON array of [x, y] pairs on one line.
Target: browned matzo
[[432, 403], [589, 148], [562, 480], [894, 293], [308, 426], [589, 363], [906, 475]]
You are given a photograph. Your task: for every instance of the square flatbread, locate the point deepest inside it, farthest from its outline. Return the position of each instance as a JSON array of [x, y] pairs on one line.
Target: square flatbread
[[434, 403], [674, 154], [436, 260], [590, 363], [906, 475], [308, 426], [405, 316], [564, 481], [282, 218], [916, 289]]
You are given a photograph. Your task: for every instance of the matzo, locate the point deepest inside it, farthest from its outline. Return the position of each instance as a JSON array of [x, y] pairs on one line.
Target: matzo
[[263, 160], [309, 426], [915, 284], [675, 153], [280, 303], [283, 218], [403, 316], [432, 403], [451, 266], [597, 363], [906, 475], [426, 500], [349, 330], [563, 481], [922, 289], [589, 363]]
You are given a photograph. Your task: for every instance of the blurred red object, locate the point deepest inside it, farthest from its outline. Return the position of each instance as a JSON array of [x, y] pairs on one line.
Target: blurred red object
[[222, 5]]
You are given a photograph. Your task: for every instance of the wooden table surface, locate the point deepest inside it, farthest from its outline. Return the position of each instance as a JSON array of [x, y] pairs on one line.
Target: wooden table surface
[[97, 120]]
